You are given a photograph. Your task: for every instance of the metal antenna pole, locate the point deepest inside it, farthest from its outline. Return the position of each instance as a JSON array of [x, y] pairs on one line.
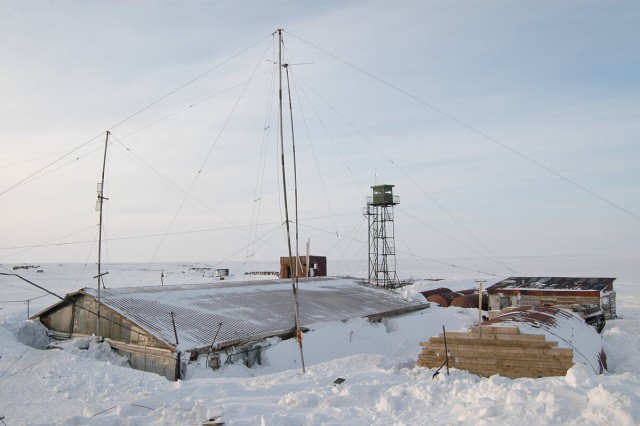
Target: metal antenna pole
[[296, 318], [295, 175], [101, 198]]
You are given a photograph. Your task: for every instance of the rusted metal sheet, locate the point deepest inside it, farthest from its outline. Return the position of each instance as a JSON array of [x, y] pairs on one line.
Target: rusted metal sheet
[[439, 290], [554, 291], [539, 316], [551, 292], [555, 321], [553, 283]]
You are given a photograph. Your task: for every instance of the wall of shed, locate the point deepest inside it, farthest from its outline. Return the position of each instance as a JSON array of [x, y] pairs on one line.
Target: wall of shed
[[317, 267], [159, 361], [143, 351], [502, 299], [81, 319]]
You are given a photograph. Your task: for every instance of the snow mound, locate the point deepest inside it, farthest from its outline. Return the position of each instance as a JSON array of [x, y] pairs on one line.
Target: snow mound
[[92, 348], [30, 333]]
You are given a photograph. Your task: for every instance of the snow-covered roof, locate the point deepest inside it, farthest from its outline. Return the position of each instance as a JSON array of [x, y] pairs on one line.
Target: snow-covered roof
[[560, 325], [247, 310], [553, 283]]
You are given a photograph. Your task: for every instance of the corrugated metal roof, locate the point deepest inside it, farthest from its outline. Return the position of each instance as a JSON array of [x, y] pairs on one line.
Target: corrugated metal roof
[[553, 283], [246, 310], [561, 325]]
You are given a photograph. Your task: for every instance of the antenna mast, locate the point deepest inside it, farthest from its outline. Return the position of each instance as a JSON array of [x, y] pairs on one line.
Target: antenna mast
[[294, 271], [99, 208]]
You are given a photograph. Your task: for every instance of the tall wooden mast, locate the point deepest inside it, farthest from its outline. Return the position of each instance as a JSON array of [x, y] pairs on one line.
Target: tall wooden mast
[[294, 275], [101, 198]]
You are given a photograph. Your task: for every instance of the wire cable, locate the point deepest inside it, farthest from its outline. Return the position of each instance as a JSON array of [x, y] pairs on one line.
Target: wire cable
[[206, 158], [30, 176], [457, 241], [413, 181], [189, 82], [441, 262], [473, 129], [15, 185]]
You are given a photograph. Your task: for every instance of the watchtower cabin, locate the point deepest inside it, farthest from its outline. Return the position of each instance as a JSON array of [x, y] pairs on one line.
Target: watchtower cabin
[[313, 266], [554, 291], [382, 250]]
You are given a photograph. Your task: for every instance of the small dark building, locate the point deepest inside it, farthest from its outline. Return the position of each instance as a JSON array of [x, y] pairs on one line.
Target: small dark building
[[317, 267], [554, 291]]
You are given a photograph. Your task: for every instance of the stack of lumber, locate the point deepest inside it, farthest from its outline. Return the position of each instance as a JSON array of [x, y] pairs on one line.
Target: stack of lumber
[[502, 350]]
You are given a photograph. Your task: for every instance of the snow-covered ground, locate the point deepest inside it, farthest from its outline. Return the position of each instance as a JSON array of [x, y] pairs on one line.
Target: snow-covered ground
[[85, 383]]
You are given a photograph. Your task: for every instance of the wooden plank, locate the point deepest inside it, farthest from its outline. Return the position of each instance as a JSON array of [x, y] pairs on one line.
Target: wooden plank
[[140, 349], [565, 357], [495, 336], [553, 354], [427, 364], [483, 350], [519, 372], [504, 359], [522, 363], [510, 372], [496, 330], [494, 342], [528, 371], [492, 339]]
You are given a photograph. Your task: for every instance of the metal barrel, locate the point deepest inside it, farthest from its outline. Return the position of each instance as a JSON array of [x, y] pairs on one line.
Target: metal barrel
[[443, 299], [470, 301]]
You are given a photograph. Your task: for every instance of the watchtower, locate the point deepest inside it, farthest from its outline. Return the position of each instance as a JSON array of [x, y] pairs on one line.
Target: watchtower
[[382, 249]]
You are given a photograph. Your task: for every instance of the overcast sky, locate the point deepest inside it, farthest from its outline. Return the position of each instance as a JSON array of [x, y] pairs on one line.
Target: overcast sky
[[508, 128]]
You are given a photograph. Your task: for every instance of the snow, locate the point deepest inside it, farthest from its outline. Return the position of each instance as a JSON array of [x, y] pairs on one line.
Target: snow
[[561, 326], [84, 383]]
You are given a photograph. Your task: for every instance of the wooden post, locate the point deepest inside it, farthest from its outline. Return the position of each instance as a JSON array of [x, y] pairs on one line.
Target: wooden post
[[446, 350], [175, 332], [480, 305], [308, 255]]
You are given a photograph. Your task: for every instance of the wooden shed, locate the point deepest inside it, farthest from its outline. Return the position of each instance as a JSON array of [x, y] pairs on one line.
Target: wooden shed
[[554, 291], [316, 267], [161, 328], [524, 342]]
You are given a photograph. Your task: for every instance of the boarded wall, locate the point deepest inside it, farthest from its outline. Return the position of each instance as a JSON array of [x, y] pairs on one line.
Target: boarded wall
[[498, 350], [78, 317], [509, 298]]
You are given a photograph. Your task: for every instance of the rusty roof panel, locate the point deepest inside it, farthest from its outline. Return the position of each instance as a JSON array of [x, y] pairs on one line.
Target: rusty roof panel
[[538, 316], [561, 325], [553, 283]]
